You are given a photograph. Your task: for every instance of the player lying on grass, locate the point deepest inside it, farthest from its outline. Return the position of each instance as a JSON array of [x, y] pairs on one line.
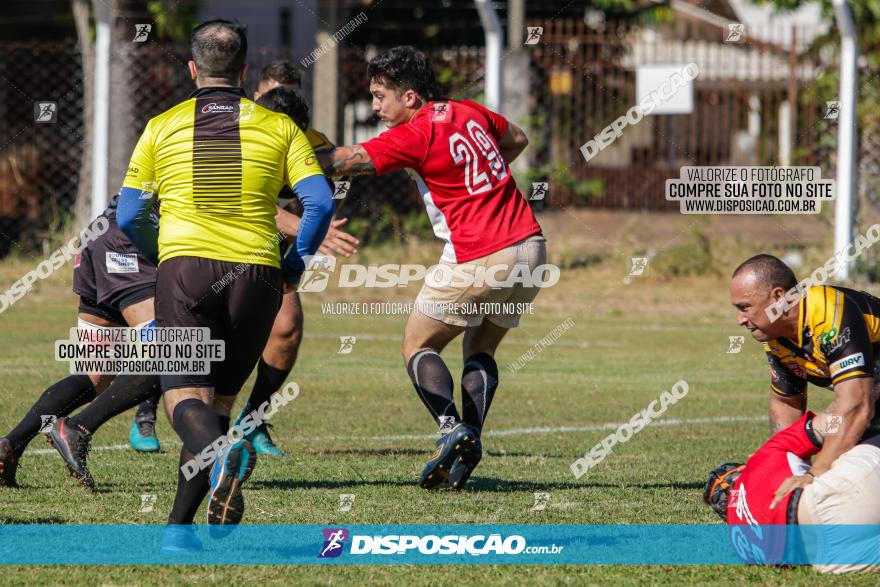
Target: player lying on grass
[[458, 153], [829, 337], [280, 353], [765, 492]]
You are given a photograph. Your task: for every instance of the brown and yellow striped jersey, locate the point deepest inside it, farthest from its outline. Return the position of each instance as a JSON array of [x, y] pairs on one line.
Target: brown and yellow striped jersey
[[838, 336]]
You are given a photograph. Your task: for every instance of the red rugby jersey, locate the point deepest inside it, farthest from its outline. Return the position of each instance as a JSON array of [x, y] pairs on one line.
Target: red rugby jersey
[[785, 454], [451, 150]]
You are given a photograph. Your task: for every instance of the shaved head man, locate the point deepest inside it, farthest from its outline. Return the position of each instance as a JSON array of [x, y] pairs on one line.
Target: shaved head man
[[829, 337], [756, 285]]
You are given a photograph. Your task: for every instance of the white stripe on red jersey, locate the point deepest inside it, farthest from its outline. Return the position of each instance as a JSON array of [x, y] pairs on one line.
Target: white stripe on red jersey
[[451, 149]]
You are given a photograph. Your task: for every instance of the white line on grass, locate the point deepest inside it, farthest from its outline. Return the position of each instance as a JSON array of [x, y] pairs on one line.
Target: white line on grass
[[573, 343], [510, 432], [52, 451], [557, 430]]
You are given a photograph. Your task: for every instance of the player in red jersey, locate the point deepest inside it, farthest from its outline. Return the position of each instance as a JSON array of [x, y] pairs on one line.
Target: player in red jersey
[[760, 498], [458, 152]]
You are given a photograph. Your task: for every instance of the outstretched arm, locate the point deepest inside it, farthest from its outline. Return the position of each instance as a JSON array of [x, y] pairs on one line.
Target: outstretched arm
[[513, 142], [348, 161], [853, 406], [337, 242]]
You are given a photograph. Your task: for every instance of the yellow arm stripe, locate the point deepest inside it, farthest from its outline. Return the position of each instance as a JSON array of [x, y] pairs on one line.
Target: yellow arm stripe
[[838, 308], [873, 324], [778, 391], [849, 375]]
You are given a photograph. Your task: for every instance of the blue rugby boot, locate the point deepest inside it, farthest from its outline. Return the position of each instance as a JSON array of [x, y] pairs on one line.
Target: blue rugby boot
[[259, 437], [142, 436], [180, 538], [232, 468]]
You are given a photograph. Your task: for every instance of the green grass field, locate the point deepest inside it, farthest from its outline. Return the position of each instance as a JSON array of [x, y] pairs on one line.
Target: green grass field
[[358, 428]]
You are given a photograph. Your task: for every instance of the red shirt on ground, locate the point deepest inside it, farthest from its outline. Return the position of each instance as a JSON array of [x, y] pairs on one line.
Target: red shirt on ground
[[759, 534], [784, 455]]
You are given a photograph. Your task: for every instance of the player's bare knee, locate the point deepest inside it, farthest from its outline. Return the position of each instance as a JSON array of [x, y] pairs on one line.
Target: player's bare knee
[[286, 343], [100, 381], [139, 312], [484, 338], [408, 349]]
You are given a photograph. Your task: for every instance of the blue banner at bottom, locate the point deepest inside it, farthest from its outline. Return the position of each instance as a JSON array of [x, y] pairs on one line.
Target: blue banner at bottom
[[440, 544]]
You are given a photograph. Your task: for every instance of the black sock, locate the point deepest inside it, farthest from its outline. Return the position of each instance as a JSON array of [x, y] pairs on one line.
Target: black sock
[[269, 380], [224, 423], [479, 380], [190, 494], [433, 383], [124, 393], [198, 426], [58, 400], [146, 412]]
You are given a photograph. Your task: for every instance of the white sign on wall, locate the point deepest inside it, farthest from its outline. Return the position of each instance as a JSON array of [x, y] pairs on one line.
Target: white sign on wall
[[676, 97]]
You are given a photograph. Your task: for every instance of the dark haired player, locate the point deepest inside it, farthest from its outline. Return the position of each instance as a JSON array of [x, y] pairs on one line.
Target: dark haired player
[[278, 74], [279, 87], [286, 336], [283, 74], [458, 153]]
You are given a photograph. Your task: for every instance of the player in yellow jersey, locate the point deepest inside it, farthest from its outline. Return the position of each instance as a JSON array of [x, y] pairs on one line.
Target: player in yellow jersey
[[218, 161], [281, 350], [71, 436], [830, 338]]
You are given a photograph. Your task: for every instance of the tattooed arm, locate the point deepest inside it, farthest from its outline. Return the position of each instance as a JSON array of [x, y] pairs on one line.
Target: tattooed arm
[[785, 410], [852, 410], [348, 161]]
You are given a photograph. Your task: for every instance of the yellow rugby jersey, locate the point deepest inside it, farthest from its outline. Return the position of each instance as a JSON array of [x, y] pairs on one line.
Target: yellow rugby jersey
[[218, 162], [320, 143], [838, 336], [319, 140]]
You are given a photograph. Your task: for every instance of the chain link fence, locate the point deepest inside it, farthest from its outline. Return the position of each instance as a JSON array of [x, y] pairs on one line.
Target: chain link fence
[[755, 103], [41, 141]]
